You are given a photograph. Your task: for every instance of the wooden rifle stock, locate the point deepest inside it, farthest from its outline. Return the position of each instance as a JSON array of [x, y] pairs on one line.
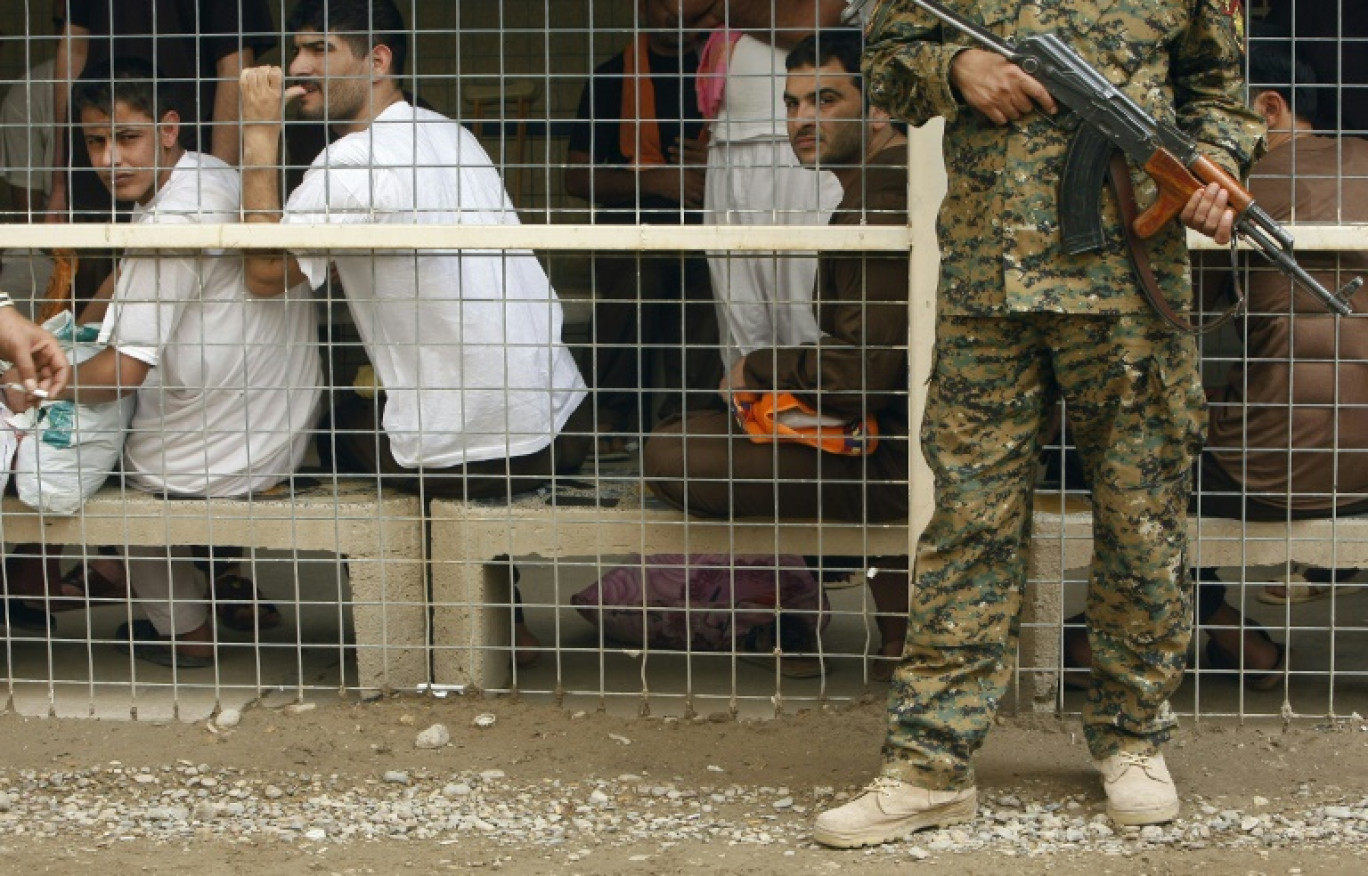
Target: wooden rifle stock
[[1176, 184]]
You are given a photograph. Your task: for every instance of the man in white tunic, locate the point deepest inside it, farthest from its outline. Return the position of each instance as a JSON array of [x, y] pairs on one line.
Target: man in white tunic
[[481, 397], [227, 383], [764, 300]]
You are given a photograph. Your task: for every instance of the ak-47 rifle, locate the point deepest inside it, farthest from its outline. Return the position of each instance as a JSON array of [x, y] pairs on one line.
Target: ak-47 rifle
[[1110, 120]]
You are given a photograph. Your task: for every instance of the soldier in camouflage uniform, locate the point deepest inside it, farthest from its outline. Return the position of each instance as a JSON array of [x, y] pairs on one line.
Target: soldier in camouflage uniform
[[1019, 324]]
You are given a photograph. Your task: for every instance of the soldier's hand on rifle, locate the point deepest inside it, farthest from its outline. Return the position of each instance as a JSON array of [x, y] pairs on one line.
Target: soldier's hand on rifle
[[996, 87], [1206, 212]]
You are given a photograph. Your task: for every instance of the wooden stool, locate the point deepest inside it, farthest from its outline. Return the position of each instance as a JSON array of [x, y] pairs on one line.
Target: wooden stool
[[515, 94]]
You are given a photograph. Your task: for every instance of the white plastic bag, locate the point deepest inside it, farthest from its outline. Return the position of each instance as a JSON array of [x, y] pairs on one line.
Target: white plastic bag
[[70, 448], [9, 443]]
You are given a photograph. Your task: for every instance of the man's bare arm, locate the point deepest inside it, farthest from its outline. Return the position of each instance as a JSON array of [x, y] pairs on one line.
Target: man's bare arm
[[95, 309], [105, 377], [72, 50], [783, 23], [618, 186], [227, 113], [268, 273]]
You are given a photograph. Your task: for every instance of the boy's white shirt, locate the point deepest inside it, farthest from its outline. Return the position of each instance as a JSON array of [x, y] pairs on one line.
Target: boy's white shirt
[[234, 389], [466, 344]]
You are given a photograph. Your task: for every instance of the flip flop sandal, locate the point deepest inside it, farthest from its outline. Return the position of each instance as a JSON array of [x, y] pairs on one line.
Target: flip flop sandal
[[615, 449], [1299, 586], [1220, 658], [758, 650], [91, 584], [150, 645], [19, 616], [238, 606], [1294, 592]]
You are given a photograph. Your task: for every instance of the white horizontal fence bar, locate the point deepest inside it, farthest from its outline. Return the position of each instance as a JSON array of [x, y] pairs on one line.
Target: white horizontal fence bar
[[653, 238], [647, 238]]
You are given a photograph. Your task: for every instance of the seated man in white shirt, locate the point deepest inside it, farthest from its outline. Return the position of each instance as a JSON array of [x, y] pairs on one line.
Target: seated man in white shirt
[[227, 384], [479, 389]]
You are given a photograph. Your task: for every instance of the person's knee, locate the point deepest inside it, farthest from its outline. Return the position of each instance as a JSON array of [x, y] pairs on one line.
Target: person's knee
[[663, 455]]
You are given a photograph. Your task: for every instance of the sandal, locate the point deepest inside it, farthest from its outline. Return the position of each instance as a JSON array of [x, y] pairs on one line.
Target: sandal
[[1305, 584], [19, 616], [1220, 658], [758, 649], [150, 645], [238, 606], [91, 584], [615, 448]]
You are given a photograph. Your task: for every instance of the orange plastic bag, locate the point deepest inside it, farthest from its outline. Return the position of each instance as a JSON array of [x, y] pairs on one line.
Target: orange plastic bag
[[780, 416]]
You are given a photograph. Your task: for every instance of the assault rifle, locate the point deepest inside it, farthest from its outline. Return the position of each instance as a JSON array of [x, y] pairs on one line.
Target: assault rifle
[[1110, 120]]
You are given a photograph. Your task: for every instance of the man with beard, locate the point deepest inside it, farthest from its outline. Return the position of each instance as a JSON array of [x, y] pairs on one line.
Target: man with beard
[[479, 391]]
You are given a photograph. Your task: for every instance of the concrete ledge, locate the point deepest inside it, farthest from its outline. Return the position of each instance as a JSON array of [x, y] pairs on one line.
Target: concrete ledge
[[472, 598], [381, 537], [1062, 539]]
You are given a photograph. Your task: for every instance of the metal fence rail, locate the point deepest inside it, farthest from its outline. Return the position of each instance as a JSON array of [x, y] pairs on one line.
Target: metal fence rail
[[375, 587]]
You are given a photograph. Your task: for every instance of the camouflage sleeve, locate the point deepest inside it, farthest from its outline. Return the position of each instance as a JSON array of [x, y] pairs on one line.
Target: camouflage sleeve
[[906, 64], [1208, 80]]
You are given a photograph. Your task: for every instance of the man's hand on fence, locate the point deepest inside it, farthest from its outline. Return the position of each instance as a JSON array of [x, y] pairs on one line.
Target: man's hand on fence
[[264, 96]]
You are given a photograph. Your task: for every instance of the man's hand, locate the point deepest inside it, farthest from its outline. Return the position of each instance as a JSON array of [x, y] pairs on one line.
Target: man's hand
[[996, 87], [684, 179], [1206, 212], [39, 362], [733, 380], [679, 184], [264, 95]]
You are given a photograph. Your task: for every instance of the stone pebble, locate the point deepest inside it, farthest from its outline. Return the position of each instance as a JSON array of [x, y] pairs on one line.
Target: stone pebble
[[179, 802]]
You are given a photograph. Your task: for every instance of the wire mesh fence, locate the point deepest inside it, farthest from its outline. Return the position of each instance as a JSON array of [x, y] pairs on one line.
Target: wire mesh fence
[[429, 400]]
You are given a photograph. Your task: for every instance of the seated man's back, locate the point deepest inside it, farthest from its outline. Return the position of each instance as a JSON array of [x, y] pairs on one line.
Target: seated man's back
[[466, 344], [1291, 423]]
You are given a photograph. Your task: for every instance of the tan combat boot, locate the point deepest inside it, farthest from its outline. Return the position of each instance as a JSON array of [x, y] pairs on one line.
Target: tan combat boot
[[889, 810], [1139, 788]]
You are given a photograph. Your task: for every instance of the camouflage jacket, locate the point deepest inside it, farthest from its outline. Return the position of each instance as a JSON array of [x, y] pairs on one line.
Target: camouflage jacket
[[1182, 60]]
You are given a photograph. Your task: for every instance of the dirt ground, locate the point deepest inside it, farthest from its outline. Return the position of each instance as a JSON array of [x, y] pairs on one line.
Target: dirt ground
[[1222, 764]]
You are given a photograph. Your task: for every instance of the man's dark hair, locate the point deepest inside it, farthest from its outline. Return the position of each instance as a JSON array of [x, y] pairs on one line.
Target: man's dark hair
[[130, 81], [826, 46], [361, 24], [1273, 67]]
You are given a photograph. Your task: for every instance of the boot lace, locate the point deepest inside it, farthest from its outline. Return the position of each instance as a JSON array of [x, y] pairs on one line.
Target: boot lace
[[883, 785]]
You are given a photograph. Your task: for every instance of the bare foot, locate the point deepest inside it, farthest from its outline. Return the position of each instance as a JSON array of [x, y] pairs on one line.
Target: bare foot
[[205, 634], [1224, 626], [526, 645]]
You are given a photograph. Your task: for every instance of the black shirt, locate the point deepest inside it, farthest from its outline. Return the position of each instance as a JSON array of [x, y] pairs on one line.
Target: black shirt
[[597, 130]]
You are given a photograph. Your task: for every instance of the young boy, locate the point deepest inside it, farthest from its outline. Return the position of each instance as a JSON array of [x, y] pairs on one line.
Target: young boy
[[227, 384]]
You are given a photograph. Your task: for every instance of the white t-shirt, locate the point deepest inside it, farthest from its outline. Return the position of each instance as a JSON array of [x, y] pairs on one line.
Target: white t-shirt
[[467, 344], [235, 384]]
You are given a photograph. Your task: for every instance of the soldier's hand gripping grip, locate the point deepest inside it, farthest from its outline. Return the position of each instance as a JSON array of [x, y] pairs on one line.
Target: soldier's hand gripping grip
[[1176, 184], [1080, 191]]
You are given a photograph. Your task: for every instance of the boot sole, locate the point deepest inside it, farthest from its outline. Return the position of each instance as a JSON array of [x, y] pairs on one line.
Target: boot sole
[[1141, 817], [941, 816]]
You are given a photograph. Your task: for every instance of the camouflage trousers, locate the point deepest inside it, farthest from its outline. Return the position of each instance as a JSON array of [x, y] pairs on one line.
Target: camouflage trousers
[[1138, 415]]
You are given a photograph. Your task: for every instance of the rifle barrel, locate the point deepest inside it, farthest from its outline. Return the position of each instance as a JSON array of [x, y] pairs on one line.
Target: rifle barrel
[[954, 19]]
